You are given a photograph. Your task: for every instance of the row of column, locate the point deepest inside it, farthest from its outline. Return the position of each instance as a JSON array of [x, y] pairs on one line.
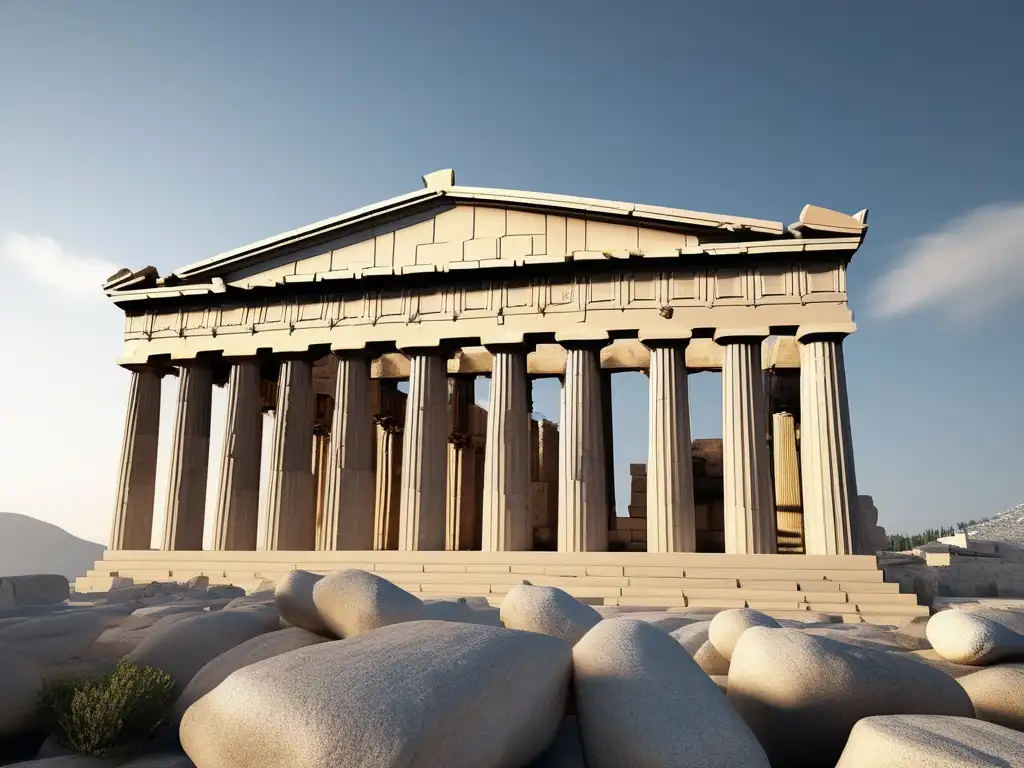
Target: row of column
[[430, 484]]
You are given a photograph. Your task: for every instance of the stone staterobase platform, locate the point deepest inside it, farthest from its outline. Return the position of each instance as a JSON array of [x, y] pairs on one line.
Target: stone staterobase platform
[[849, 586]]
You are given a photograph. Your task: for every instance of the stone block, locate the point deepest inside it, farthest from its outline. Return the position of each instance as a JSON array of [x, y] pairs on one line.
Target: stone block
[[39, 589], [638, 484], [638, 470], [638, 511]]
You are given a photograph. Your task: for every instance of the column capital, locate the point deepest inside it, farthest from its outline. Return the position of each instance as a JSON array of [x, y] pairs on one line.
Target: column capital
[[824, 332], [583, 339], [754, 333], [510, 346], [158, 369], [677, 339], [353, 353], [427, 347]]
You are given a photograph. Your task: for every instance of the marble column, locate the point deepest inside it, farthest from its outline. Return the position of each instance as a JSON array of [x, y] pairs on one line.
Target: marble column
[[350, 481], [320, 452], [424, 455], [788, 512], [460, 508], [826, 447], [506, 480], [136, 478], [190, 459], [748, 509], [291, 516], [387, 501], [582, 508], [671, 519], [239, 493]]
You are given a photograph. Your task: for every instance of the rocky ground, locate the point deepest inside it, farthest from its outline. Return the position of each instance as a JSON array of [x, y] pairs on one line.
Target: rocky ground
[[350, 670], [1006, 526]]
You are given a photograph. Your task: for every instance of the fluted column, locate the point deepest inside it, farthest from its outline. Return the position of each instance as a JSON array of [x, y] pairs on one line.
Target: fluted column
[[460, 509], [136, 478], [788, 512], [582, 511], [424, 455], [350, 483], [388, 463], [671, 522], [749, 511], [190, 460], [291, 516], [239, 492], [506, 481], [826, 447]]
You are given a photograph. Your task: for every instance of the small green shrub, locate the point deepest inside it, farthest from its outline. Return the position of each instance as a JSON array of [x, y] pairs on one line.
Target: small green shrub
[[108, 715]]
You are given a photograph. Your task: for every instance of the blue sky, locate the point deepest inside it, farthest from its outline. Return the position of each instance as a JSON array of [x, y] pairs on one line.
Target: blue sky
[[163, 133]]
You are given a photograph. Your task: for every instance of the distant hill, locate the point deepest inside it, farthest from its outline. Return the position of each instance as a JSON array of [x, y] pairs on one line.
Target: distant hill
[[1006, 526], [28, 545]]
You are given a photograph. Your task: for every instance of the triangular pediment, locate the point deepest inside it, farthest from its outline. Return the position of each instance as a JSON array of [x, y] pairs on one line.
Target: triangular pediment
[[445, 228]]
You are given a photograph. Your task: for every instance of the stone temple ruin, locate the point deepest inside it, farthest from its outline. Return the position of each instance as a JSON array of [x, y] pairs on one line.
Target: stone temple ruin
[[311, 331]]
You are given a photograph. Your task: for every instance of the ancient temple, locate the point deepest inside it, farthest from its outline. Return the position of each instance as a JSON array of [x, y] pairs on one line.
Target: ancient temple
[[316, 326]]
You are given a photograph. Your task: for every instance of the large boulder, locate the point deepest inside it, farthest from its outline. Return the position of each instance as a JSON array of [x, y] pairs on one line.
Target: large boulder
[[997, 694], [915, 741], [421, 694], [710, 660], [251, 651], [352, 602], [867, 636], [184, 647], [54, 639], [460, 610], [20, 687], [548, 611], [728, 626], [802, 694], [39, 589], [691, 636], [644, 703], [971, 637], [294, 599]]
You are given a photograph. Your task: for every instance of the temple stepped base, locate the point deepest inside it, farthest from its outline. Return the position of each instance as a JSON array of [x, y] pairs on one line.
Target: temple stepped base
[[782, 585]]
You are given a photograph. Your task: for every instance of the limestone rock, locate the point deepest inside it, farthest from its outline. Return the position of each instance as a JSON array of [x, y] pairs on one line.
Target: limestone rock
[[802, 694], [644, 703], [566, 751], [998, 694], [251, 651], [932, 658], [864, 636], [184, 606], [294, 599], [727, 627], [54, 639], [692, 636], [460, 610], [710, 660], [915, 741], [351, 602], [664, 620], [181, 649], [421, 694], [972, 638], [38, 589], [20, 687], [548, 611]]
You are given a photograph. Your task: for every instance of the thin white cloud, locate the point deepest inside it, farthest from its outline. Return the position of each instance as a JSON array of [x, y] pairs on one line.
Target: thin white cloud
[[50, 264], [971, 266]]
